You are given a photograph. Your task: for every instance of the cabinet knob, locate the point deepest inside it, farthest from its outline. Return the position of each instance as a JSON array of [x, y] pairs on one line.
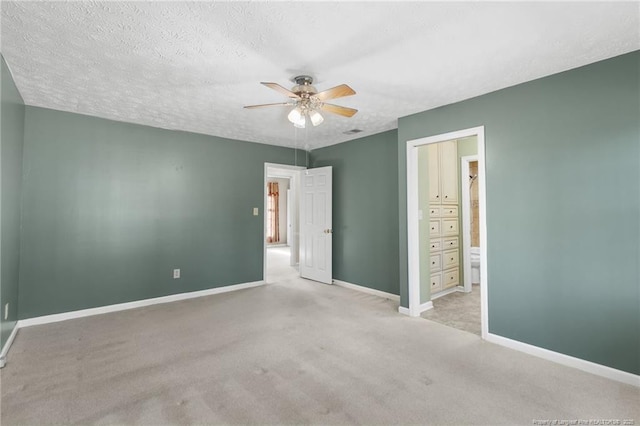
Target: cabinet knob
[[446, 196], [437, 196]]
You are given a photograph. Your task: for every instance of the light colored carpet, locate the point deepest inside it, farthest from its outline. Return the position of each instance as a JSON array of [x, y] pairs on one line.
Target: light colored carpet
[[291, 352], [458, 310]]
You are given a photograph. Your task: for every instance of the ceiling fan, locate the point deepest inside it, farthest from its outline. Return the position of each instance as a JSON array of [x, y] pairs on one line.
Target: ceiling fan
[[307, 101]]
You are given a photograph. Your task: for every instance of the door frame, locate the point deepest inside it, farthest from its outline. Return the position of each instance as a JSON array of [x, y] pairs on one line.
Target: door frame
[[413, 223], [466, 219], [293, 173]]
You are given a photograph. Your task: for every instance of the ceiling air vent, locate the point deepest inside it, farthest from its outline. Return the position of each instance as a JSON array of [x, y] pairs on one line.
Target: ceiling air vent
[[352, 132]]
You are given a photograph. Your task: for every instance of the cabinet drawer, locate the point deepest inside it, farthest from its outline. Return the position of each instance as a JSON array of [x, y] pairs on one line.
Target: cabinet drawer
[[434, 228], [435, 262], [434, 211], [436, 283], [449, 226], [450, 258], [449, 211], [435, 245], [450, 278], [449, 243]]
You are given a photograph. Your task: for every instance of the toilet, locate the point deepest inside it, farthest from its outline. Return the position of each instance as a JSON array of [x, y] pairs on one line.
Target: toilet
[[475, 265]]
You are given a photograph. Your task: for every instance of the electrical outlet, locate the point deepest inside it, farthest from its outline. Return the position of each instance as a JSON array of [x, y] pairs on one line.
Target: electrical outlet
[[6, 311], [256, 211], [176, 273]]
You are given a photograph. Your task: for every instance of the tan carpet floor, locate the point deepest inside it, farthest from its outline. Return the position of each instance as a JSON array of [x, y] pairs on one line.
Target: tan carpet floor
[[290, 352], [458, 310]]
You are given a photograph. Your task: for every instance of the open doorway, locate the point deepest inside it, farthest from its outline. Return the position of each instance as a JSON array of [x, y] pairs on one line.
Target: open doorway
[[281, 221], [439, 181]]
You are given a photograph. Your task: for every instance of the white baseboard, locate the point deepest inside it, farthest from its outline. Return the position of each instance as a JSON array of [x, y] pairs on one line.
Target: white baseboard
[[404, 311], [425, 306], [422, 308], [7, 344], [448, 291], [367, 290], [46, 319], [580, 364]]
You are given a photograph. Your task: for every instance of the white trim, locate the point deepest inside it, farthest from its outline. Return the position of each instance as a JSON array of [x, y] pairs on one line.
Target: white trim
[[569, 361], [7, 344], [367, 290], [413, 243], [413, 229], [447, 291], [466, 220], [425, 306], [482, 199], [421, 308], [294, 185], [46, 319], [404, 311]]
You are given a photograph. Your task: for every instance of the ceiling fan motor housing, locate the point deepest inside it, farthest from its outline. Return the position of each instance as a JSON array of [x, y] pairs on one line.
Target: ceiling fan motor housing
[[303, 87]]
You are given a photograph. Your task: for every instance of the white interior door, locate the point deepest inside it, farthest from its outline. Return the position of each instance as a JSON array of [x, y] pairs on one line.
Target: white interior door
[[316, 226]]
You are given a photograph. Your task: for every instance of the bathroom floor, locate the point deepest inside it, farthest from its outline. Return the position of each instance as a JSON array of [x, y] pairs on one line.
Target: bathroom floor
[[458, 310]]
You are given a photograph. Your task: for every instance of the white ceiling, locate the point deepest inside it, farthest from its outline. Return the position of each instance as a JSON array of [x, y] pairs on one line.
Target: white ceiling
[[193, 65]]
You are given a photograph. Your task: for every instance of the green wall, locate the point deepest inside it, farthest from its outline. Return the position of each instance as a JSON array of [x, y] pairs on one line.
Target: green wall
[[110, 209], [365, 213], [563, 202], [12, 112]]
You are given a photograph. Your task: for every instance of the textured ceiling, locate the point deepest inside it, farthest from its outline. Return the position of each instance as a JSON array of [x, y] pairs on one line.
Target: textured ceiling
[[193, 65]]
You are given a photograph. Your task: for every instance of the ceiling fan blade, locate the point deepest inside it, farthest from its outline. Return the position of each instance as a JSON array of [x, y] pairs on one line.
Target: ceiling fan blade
[[268, 105], [335, 92], [278, 88], [340, 110]]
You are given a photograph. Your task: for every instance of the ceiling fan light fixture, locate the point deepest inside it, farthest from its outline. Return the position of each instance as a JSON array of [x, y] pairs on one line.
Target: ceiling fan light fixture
[[315, 117], [296, 116]]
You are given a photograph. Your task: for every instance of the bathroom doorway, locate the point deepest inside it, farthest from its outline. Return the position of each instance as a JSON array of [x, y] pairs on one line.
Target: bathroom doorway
[[470, 220], [440, 240]]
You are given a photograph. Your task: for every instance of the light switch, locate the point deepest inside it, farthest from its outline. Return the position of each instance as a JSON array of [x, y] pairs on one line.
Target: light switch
[[255, 211]]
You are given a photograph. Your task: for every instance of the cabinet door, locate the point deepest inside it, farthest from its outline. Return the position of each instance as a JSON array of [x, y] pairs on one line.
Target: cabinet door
[[436, 283], [450, 278], [433, 168], [449, 172], [434, 228], [435, 261], [450, 258], [449, 227]]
